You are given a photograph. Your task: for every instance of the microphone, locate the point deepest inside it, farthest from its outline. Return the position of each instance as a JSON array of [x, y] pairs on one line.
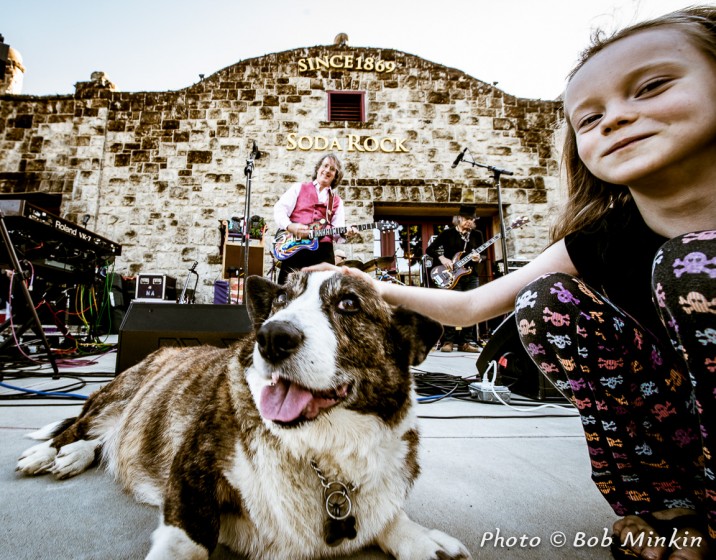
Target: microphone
[[459, 157], [255, 151]]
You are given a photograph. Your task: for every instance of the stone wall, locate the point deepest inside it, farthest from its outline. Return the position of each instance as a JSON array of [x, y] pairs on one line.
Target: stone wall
[[157, 171]]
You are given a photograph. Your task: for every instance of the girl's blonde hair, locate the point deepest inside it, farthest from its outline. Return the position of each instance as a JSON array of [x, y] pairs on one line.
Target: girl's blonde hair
[[588, 197]]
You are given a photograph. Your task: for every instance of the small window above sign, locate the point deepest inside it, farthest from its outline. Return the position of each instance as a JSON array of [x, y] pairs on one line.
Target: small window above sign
[[346, 106]]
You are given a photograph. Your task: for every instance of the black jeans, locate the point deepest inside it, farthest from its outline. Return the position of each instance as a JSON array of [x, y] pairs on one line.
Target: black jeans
[[461, 336]]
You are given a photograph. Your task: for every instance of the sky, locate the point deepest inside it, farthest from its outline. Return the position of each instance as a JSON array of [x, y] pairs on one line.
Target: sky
[[526, 46]]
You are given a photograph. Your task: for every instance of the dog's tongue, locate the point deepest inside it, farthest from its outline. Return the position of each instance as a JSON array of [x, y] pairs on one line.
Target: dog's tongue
[[284, 401]]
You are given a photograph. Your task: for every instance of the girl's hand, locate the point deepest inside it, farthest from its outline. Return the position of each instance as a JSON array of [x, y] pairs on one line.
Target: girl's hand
[[323, 266], [347, 270]]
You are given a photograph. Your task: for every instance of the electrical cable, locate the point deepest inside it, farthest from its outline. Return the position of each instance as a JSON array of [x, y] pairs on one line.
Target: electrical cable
[[42, 393], [435, 398], [12, 323], [499, 417], [100, 376], [19, 404], [13, 364], [491, 384], [433, 387]]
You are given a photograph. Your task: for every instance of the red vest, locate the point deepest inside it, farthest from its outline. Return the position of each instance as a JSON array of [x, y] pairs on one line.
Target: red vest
[[308, 209]]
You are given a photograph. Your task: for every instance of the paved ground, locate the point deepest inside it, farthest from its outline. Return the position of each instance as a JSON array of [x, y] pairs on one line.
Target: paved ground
[[509, 484]]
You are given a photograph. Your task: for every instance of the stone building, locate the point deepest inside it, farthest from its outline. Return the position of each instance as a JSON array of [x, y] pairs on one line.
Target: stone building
[[158, 171]]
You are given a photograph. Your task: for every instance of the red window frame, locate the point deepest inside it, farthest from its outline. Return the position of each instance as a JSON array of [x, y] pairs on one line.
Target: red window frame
[[346, 106]]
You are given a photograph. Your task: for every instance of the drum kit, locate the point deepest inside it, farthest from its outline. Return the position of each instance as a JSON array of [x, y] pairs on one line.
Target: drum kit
[[379, 265]]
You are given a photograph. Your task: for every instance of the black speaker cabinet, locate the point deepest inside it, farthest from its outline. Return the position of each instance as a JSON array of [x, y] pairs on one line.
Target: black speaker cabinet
[[148, 326], [515, 368]]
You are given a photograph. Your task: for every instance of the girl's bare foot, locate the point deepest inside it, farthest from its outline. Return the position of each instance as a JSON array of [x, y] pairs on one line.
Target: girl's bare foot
[[675, 534]]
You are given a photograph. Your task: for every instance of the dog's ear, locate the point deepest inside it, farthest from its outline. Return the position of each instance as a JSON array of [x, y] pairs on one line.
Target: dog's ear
[[416, 334], [260, 294]]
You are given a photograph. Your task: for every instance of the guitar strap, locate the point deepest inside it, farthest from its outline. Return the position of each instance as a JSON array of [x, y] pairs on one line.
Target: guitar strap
[[329, 208], [465, 239]]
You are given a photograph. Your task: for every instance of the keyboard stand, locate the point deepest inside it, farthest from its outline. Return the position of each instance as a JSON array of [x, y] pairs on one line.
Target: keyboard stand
[[20, 273]]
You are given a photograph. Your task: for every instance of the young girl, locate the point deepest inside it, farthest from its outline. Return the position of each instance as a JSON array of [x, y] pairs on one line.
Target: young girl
[[640, 157]]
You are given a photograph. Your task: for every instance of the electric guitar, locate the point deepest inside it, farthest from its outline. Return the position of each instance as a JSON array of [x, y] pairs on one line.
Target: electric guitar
[[447, 279], [286, 244]]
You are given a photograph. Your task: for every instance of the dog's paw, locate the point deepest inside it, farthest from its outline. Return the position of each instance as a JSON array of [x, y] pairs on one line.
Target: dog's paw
[[37, 459], [433, 545], [172, 543], [407, 540], [74, 458], [447, 547]]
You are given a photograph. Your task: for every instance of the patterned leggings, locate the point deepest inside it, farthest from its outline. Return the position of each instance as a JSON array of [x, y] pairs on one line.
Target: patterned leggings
[[647, 408]]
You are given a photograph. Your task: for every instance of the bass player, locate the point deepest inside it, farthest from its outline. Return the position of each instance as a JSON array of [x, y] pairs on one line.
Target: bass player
[[454, 242]]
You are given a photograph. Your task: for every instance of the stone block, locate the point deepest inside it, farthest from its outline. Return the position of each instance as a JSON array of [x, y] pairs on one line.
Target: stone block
[[199, 156], [121, 160], [23, 121], [438, 97], [140, 156]]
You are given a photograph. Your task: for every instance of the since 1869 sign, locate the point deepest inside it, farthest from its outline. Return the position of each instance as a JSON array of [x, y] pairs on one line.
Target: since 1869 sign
[[346, 62]]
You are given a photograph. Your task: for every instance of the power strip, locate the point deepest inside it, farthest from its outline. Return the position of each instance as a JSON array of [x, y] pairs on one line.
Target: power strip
[[485, 392]]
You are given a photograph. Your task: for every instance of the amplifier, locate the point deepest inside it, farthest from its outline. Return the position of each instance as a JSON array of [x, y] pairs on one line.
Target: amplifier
[[150, 326], [155, 287]]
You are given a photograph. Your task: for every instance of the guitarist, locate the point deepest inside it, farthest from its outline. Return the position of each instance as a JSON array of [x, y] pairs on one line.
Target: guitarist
[[461, 238], [305, 203]]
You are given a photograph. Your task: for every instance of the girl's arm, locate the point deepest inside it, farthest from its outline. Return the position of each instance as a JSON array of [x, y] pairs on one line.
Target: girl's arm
[[483, 303]]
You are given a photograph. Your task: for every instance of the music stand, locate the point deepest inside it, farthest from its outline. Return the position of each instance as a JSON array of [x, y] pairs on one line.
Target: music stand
[[26, 294]]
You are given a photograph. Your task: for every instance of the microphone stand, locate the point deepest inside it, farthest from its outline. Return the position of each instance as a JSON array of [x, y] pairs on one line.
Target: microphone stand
[[496, 172], [248, 172], [192, 270]]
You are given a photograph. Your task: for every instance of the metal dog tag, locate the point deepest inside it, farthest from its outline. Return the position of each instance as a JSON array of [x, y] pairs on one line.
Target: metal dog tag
[[336, 531], [340, 524]]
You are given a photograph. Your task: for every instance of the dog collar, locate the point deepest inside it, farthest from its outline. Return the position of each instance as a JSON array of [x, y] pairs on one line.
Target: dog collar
[[340, 524]]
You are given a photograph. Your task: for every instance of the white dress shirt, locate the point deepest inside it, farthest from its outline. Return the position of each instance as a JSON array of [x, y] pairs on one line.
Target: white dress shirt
[[283, 209]]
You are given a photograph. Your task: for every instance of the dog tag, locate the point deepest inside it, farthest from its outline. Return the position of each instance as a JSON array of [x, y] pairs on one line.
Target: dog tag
[[338, 530], [340, 524]]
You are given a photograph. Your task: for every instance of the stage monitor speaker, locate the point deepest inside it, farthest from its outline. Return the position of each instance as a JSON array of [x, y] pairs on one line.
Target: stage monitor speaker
[[515, 368], [148, 326]]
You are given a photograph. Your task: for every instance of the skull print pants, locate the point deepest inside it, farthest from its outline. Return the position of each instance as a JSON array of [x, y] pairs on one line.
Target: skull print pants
[[647, 407]]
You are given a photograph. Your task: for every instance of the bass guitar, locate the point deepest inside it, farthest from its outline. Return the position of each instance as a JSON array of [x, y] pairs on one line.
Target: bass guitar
[[447, 278], [286, 244]]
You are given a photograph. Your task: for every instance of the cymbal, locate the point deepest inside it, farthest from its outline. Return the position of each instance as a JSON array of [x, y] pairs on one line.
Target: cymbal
[[353, 263], [380, 262]]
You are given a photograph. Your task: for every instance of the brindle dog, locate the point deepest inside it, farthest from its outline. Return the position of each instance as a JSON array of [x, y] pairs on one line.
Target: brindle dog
[[300, 442]]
